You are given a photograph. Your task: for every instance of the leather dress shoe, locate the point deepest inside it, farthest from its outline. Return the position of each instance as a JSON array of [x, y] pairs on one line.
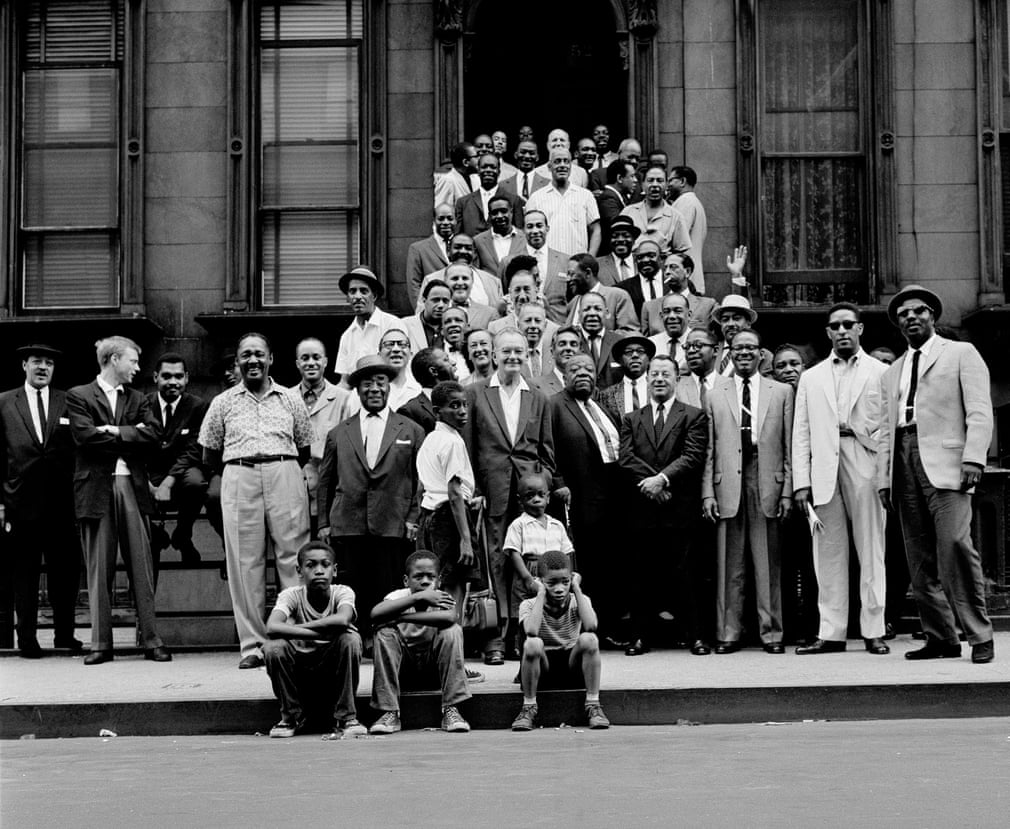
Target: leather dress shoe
[[637, 648], [253, 660], [30, 650], [876, 645], [72, 644], [187, 552], [701, 648], [774, 647], [934, 649], [983, 652], [98, 657], [158, 654], [822, 646], [494, 658], [727, 647]]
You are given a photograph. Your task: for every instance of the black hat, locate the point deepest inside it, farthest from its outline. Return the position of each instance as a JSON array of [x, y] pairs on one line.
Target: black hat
[[633, 339], [914, 292], [39, 350], [622, 222], [367, 366], [365, 275]]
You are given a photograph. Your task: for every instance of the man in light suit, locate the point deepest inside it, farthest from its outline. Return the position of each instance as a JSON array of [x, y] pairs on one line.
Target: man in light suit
[[507, 438], [473, 211], [368, 499], [503, 239], [747, 489], [37, 470], [485, 288], [838, 415], [431, 253], [677, 270], [326, 404], [551, 265], [662, 455], [932, 452], [461, 179], [695, 386], [583, 270], [115, 430]]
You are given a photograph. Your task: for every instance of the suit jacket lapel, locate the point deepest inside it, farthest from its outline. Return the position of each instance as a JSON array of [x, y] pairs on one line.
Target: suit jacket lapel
[[862, 374], [21, 404], [580, 418], [494, 402], [933, 356], [828, 387], [675, 415], [648, 423], [103, 402], [354, 435], [525, 407], [729, 389], [762, 410], [388, 436]]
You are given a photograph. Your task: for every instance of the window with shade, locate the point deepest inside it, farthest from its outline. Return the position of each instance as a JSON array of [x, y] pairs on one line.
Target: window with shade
[[68, 240], [812, 145], [309, 132]]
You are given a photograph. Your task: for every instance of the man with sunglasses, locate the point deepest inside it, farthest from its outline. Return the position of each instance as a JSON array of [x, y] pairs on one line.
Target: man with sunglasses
[[932, 452], [836, 429]]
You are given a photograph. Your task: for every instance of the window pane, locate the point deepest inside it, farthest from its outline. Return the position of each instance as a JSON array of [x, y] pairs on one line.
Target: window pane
[[73, 30], [71, 271], [310, 175], [311, 19], [810, 63], [70, 188], [309, 94], [71, 105], [303, 255], [815, 216]]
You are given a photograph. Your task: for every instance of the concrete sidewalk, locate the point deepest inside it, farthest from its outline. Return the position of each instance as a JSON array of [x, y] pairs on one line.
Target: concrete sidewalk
[[202, 693]]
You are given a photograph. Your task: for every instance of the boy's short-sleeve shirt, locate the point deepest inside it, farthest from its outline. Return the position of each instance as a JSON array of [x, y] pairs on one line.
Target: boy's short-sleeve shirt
[[531, 538], [441, 458], [415, 636], [294, 603], [558, 632]]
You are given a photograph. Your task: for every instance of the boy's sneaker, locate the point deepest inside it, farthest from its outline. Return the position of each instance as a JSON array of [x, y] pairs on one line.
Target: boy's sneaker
[[474, 676], [388, 723], [285, 729], [453, 722], [595, 716], [351, 727], [527, 717]]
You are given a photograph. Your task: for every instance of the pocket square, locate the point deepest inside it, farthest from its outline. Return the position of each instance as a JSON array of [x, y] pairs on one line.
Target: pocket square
[[64, 421], [403, 442], [184, 431]]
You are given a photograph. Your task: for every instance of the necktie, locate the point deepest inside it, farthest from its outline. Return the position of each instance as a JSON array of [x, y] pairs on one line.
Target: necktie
[[635, 402], [912, 384], [310, 398], [42, 416], [526, 185], [594, 344], [608, 444], [625, 270], [746, 439], [652, 289], [373, 437], [535, 362], [673, 349], [167, 414], [660, 421], [702, 392], [725, 358]]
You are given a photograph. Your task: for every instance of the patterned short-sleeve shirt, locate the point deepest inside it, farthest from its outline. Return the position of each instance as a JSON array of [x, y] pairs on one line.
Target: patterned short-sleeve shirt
[[240, 425]]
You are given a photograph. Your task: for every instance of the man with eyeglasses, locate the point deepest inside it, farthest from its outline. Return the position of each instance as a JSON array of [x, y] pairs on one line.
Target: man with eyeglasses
[[933, 449], [633, 352], [699, 349], [746, 490], [838, 416]]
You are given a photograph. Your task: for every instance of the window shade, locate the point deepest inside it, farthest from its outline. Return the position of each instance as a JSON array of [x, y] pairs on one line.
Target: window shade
[[303, 255], [311, 20], [62, 31], [70, 271]]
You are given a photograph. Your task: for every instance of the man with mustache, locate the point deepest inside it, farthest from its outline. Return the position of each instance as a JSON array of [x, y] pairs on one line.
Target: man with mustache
[[361, 338]]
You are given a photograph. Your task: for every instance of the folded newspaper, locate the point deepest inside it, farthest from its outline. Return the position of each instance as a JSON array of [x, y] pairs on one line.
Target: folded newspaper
[[815, 523]]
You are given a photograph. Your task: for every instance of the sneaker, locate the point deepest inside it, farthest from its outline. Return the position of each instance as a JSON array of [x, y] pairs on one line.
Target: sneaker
[[453, 722], [474, 676], [595, 716], [527, 716], [285, 729], [388, 723], [351, 727]]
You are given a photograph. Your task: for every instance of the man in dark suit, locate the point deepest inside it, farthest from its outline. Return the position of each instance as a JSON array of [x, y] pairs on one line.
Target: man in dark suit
[[583, 279], [431, 253], [526, 181], [115, 430], [508, 434], [37, 469], [647, 283], [473, 210], [586, 444], [565, 344], [612, 199], [662, 454], [430, 366], [631, 392], [597, 341], [176, 466], [503, 239], [368, 499], [933, 448]]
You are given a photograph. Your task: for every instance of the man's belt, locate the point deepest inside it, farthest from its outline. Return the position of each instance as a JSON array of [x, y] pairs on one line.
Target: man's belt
[[257, 460]]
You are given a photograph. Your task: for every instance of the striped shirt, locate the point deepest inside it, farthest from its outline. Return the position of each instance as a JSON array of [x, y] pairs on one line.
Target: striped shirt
[[569, 215], [530, 537], [558, 632]]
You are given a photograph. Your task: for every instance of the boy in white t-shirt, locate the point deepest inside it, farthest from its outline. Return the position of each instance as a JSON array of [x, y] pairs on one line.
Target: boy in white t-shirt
[[314, 650]]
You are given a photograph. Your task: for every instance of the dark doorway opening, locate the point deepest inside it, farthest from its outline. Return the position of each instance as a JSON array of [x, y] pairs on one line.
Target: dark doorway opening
[[546, 63]]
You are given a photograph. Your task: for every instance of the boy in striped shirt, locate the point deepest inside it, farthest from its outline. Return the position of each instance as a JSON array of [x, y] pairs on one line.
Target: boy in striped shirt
[[561, 648]]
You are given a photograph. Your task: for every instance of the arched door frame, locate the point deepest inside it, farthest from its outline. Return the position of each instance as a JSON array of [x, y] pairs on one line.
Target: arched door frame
[[635, 27]]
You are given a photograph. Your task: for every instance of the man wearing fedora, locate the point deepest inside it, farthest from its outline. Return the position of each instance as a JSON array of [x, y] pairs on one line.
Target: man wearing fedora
[[260, 433], [363, 289], [633, 352], [368, 499], [733, 315], [618, 266], [934, 441], [37, 469]]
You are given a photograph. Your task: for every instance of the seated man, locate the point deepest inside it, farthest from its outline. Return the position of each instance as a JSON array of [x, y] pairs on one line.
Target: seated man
[[314, 650], [561, 648], [175, 470], [415, 633]]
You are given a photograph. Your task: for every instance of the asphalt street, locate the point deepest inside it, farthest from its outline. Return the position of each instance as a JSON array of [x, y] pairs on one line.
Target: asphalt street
[[914, 773]]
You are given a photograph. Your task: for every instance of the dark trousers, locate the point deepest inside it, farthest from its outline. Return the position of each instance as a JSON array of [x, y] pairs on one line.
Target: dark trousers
[[371, 566], [126, 527], [663, 553], [188, 497], [799, 583], [946, 569], [327, 675], [26, 543]]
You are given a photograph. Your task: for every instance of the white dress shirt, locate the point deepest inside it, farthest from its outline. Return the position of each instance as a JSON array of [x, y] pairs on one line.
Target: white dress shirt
[[112, 395], [361, 340], [502, 244], [33, 408], [641, 386], [372, 429], [906, 379], [657, 285], [609, 433], [510, 403], [485, 199], [755, 393], [625, 273]]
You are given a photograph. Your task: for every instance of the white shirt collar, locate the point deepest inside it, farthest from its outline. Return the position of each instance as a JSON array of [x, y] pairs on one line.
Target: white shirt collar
[[107, 388], [383, 415], [30, 390], [495, 382]]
